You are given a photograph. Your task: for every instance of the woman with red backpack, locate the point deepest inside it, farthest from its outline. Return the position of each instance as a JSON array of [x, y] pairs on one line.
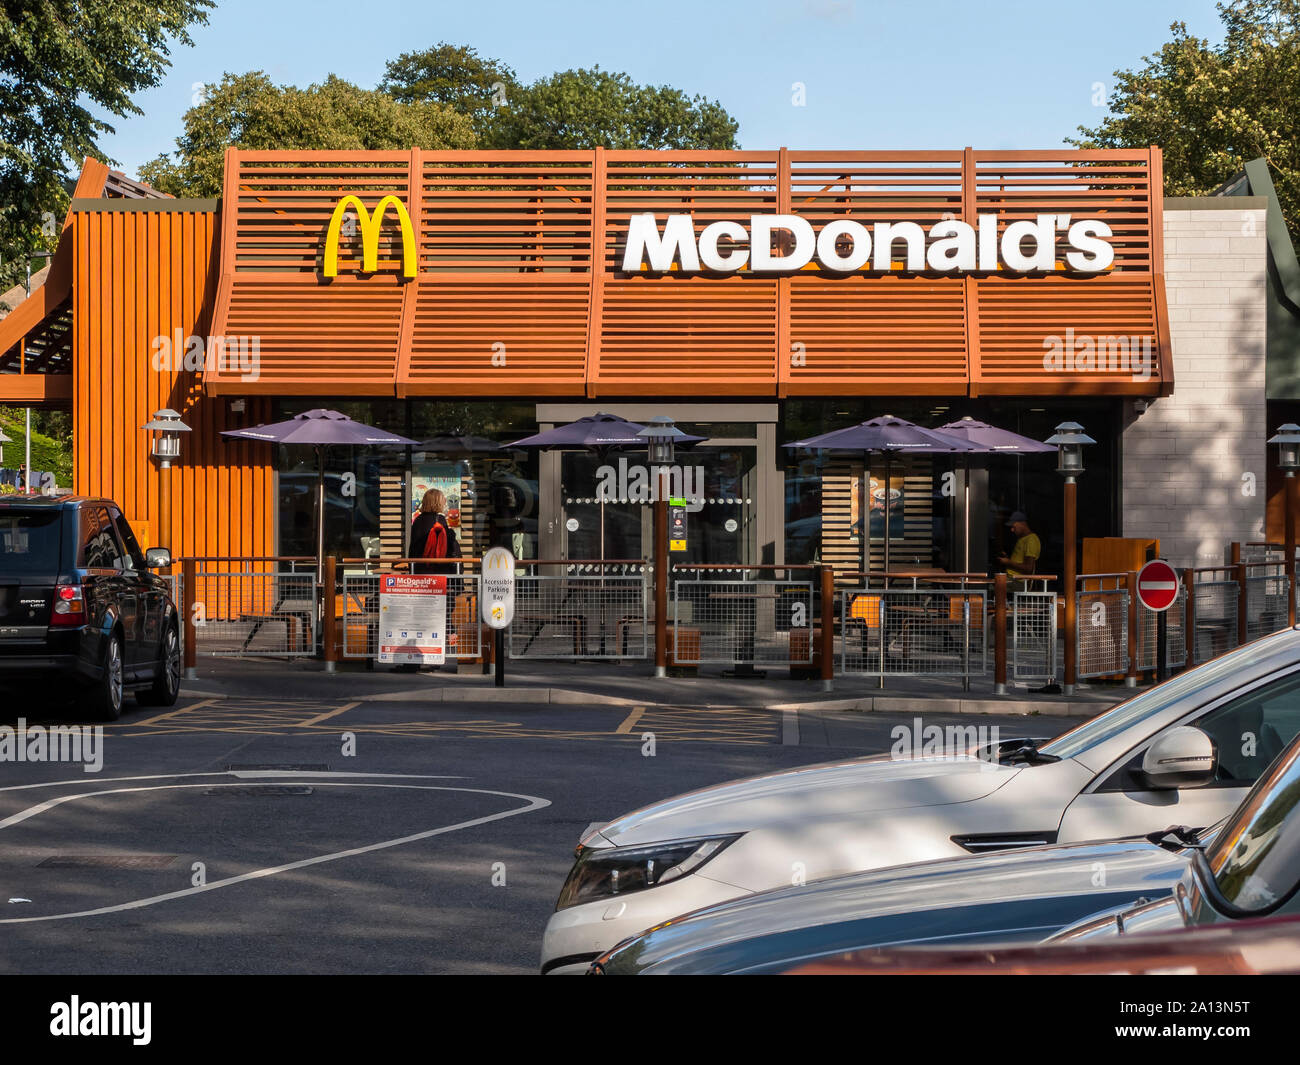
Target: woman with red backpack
[[431, 536]]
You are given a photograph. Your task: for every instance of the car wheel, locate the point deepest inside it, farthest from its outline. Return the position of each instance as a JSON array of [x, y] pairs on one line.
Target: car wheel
[[106, 695], [166, 688]]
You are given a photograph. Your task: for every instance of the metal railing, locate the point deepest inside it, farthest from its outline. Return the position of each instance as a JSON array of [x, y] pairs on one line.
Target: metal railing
[[756, 615], [580, 610], [1032, 614], [1266, 598], [1213, 613], [936, 627], [805, 617], [1101, 633], [250, 607]]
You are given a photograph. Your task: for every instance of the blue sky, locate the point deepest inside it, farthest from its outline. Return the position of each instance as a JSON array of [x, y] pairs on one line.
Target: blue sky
[[877, 73]]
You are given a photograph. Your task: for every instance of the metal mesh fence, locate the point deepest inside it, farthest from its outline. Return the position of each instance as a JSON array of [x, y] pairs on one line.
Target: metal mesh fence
[[760, 621], [1175, 640], [254, 611], [1101, 631], [580, 613], [1214, 618], [1033, 635], [913, 632], [1266, 600]]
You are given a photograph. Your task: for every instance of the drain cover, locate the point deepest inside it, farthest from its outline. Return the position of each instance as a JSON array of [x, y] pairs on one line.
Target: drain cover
[[281, 767], [110, 861], [271, 790]]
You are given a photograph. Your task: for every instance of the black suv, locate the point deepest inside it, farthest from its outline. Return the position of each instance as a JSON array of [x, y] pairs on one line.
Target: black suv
[[80, 605]]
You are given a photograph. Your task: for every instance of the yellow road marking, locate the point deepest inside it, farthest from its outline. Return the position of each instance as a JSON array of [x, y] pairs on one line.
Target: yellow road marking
[[630, 721], [328, 714], [172, 713]]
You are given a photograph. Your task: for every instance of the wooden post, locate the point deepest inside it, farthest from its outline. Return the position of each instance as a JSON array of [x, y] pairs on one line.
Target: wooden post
[[188, 580], [1130, 675], [1290, 546], [1000, 634], [329, 604], [1070, 578], [828, 627], [1239, 575], [661, 575]]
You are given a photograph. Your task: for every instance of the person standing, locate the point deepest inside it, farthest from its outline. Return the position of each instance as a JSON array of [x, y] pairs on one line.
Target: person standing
[[1023, 559], [432, 537]]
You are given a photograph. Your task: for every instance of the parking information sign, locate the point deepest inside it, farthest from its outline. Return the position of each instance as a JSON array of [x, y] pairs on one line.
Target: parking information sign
[[412, 619], [677, 525], [1157, 585], [498, 595]]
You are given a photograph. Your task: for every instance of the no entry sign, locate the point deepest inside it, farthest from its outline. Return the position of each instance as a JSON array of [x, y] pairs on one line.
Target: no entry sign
[[1157, 585]]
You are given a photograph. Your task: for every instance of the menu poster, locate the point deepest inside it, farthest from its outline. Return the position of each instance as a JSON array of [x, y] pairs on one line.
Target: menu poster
[[442, 475], [412, 619]]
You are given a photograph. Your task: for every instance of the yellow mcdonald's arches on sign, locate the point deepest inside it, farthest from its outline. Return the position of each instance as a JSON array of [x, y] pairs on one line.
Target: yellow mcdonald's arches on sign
[[370, 226]]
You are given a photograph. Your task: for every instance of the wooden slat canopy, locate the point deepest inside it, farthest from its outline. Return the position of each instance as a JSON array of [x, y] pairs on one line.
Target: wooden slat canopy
[[519, 287]]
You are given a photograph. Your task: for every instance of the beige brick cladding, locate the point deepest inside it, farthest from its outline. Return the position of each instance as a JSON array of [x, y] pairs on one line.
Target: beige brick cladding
[[1185, 459]]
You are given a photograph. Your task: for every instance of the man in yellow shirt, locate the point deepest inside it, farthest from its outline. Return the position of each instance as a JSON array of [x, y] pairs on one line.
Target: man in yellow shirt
[[1023, 559]]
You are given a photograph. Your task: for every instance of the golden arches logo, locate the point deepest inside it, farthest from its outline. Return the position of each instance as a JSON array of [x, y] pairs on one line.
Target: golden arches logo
[[370, 225], [498, 560]]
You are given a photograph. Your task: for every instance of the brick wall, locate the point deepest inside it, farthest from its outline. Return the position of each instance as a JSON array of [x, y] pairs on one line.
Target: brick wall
[[1187, 458]]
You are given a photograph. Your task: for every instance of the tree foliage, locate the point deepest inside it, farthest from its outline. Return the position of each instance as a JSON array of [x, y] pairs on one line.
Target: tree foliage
[[571, 109], [453, 75], [1213, 108], [249, 111], [66, 67]]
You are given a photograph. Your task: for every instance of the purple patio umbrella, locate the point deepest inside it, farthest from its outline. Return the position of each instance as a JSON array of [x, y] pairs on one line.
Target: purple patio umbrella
[[319, 428], [600, 433], [886, 435], [988, 440]]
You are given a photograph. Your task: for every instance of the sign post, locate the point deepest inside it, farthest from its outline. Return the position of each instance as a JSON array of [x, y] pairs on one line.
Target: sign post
[[1157, 588], [497, 603]]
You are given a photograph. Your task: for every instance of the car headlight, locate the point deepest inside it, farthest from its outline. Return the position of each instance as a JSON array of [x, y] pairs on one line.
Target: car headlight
[[609, 871]]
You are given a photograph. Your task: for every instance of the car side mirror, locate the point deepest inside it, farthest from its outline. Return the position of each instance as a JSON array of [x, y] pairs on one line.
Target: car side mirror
[[1183, 757], [157, 558]]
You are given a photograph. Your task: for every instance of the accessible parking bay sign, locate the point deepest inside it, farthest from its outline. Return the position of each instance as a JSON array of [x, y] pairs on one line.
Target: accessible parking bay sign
[[498, 591], [412, 620]]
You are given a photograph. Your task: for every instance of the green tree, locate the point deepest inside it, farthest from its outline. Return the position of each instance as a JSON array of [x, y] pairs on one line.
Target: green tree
[[570, 109], [248, 111], [586, 108], [455, 76], [63, 65], [1213, 108]]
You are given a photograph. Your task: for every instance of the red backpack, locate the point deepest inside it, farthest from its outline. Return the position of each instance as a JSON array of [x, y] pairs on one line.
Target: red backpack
[[436, 544]]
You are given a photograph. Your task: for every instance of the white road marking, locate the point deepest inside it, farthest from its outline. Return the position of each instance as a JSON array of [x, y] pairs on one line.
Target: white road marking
[[790, 728], [534, 803], [240, 773]]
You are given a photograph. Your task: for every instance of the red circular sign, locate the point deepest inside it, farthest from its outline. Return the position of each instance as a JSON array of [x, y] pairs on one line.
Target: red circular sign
[[1157, 585]]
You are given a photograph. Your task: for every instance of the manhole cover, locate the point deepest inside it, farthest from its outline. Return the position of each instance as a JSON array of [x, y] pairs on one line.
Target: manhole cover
[[111, 861], [280, 767], [271, 790]]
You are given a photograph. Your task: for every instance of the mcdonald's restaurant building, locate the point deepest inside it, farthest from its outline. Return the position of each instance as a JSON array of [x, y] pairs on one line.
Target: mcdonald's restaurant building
[[757, 297]]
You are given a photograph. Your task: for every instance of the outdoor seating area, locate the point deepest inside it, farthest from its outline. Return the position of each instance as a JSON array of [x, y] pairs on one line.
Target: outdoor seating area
[[905, 623]]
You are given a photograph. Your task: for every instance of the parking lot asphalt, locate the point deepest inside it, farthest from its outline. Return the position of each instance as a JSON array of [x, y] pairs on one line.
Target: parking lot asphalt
[[271, 834]]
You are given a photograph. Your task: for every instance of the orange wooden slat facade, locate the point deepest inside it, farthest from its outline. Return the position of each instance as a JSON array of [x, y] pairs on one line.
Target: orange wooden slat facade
[[520, 289], [142, 275]]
